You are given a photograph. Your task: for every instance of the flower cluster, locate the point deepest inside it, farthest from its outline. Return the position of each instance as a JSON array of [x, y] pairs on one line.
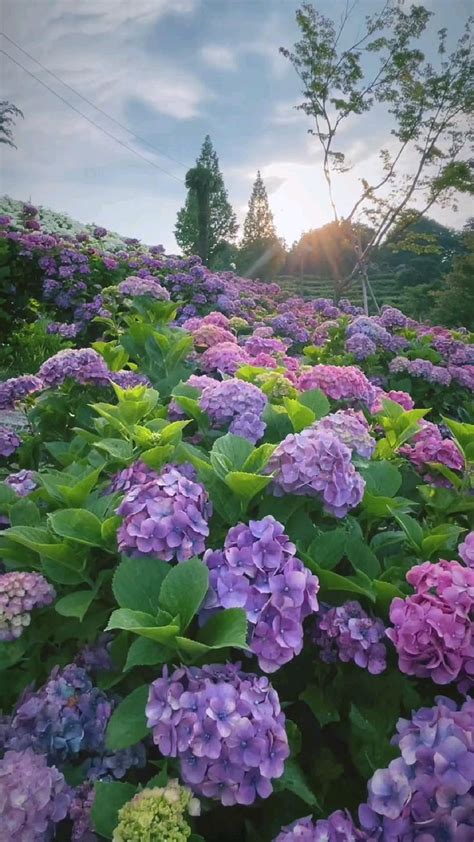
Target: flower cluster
[[361, 345], [433, 629], [165, 518], [351, 428], [403, 398], [9, 441], [225, 726], [257, 570], [338, 827], [425, 369], [157, 814], [128, 379], [134, 286], [23, 482], [317, 464], [34, 797], [463, 375], [67, 331], [428, 446], [341, 383], [20, 593], [226, 357], [238, 404], [207, 335], [426, 794], [348, 633], [138, 473], [80, 808], [16, 389], [466, 550], [83, 365]]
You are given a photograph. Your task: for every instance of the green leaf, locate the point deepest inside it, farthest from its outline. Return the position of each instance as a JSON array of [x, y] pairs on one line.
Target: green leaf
[[324, 708], [362, 558], [259, 458], [184, 589], [145, 652], [301, 416], [24, 513], [329, 547], [143, 625], [77, 525], [157, 456], [411, 528], [127, 725], [294, 781], [330, 581], [382, 507], [316, 400], [229, 453], [42, 542], [11, 652], [109, 798], [382, 478], [278, 423], [246, 486], [117, 448], [75, 604], [7, 496], [137, 583], [226, 628]]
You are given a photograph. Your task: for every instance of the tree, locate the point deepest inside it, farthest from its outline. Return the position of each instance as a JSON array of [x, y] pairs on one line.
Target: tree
[[420, 252], [427, 107], [326, 252], [455, 302], [8, 115], [202, 183], [222, 225], [261, 251]]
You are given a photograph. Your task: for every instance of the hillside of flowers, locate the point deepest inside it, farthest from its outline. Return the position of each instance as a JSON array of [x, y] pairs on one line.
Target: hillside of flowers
[[236, 555]]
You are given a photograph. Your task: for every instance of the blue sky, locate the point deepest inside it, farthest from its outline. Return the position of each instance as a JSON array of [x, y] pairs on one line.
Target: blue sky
[[173, 71]]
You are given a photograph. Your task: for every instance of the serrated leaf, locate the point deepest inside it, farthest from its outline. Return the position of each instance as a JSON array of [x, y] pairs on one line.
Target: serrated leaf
[[184, 589], [246, 486], [77, 525], [145, 652], [301, 416], [294, 781], [226, 628], [75, 604], [142, 624], [127, 725], [109, 798], [317, 401], [137, 583]]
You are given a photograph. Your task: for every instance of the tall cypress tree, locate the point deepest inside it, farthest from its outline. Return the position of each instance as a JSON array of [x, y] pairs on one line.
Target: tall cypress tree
[[222, 224], [261, 251]]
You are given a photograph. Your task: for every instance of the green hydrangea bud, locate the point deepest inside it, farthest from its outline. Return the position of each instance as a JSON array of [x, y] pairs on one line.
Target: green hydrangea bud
[[276, 386], [157, 815], [237, 323]]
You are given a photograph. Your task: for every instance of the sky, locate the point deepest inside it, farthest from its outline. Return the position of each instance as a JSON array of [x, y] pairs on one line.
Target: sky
[[173, 71]]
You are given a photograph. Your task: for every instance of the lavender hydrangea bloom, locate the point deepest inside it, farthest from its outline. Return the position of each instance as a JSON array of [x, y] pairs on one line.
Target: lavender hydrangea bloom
[[426, 794], [317, 464], [67, 331], [129, 379], [96, 656], [338, 827], [428, 446], [165, 518], [237, 403], [20, 593], [66, 716], [16, 389], [361, 346], [23, 482], [115, 765], [34, 797], [83, 365], [225, 726], [433, 629], [134, 285], [258, 571], [80, 814], [226, 357], [421, 368], [351, 428], [350, 634], [138, 473], [345, 382], [466, 550], [9, 441]]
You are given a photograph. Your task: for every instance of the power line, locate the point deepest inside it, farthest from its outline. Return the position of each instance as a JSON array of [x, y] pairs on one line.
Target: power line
[[89, 102], [92, 122]]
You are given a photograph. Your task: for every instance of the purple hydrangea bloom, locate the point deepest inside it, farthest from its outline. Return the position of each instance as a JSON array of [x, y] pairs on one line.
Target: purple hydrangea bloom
[[96, 656], [348, 633], [80, 814], [20, 593], [115, 765], [361, 346], [428, 446], [83, 365], [466, 550], [434, 374], [16, 389], [463, 374], [237, 403], [258, 571], [134, 285], [226, 357], [225, 726], [67, 331], [128, 379], [351, 428], [9, 441], [317, 464], [34, 797], [165, 518], [66, 716], [138, 473], [197, 381], [338, 827], [433, 629], [392, 317], [23, 482], [341, 383]]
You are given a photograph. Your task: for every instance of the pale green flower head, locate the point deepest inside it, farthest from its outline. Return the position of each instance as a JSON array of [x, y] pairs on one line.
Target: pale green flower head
[[157, 815]]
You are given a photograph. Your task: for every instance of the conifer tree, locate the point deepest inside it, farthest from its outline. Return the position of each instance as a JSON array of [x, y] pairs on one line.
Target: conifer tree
[[261, 252], [222, 223]]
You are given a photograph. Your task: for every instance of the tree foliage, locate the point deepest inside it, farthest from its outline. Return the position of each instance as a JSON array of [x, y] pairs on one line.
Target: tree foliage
[[222, 223], [455, 301], [8, 115], [261, 252]]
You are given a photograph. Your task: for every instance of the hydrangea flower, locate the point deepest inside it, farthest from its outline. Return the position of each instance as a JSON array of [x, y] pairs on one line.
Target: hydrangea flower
[[134, 285], [165, 518], [341, 383], [424, 369], [34, 797], [67, 331], [83, 365], [157, 814], [226, 357], [258, 571], [463, 375], [138, 473], [317, 464], [338, 827], [428, 445], [128, 379], [361, 346], [351, 428], [9, 441], [20, 593], [16, 389], [433, 628], [403, 398], [23, 482], [238, 404], [466, 550], [348, 633], [80, 808], [207, 335], [225, 726]]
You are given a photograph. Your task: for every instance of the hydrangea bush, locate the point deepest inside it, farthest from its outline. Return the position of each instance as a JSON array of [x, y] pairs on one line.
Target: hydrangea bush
[[236, 557]]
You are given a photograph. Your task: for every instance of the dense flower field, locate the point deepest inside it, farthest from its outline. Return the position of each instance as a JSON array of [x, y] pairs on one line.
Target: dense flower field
[[237, 557]]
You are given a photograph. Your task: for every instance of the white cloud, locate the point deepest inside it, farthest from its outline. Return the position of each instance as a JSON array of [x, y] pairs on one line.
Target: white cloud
[[219, 56]]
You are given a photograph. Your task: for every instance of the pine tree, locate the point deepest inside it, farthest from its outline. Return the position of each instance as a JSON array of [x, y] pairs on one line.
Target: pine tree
[[261, 251], [222, 223]]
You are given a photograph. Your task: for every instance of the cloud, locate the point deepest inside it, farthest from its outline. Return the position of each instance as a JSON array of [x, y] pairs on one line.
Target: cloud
[[285, 114], [218, 56]]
